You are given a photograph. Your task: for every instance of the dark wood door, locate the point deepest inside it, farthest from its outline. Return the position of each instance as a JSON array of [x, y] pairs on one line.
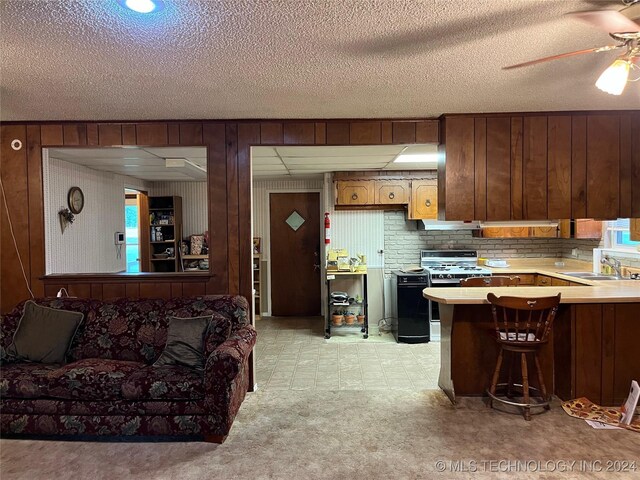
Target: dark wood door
[[295, 254]]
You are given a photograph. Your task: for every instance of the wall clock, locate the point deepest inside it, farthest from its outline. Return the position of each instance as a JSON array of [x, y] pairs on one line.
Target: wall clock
[[75, 199]]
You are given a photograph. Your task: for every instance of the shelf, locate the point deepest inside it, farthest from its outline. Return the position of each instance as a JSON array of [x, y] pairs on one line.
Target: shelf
[[164, 241], [170, 259], [161, 225], [158, 209], [195, 257], [348, 325]]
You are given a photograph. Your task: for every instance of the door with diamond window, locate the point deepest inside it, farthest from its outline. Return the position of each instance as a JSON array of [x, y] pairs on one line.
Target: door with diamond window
[[295, 254]]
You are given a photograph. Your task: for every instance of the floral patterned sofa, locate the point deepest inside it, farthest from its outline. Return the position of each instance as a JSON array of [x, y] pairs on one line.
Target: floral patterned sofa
[[109, 386]]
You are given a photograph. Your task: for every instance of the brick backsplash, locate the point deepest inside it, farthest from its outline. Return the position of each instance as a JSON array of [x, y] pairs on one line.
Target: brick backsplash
[[403, 242]]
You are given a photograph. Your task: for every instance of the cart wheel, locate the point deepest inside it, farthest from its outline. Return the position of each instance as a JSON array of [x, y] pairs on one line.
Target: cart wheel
[[362, 330], [366, 335], [327, 336]]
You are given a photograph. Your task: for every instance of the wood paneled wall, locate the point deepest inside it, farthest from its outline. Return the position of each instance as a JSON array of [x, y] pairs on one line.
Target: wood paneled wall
[[229, 184]]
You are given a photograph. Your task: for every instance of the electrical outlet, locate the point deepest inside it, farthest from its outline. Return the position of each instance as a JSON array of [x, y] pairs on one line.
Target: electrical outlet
[[574, 252]]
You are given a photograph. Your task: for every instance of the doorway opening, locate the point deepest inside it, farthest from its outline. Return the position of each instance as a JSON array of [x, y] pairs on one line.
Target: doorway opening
[[132, 229]]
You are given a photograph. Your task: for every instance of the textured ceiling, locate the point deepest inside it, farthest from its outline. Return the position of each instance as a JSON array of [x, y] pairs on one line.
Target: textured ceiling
[[92, 60]]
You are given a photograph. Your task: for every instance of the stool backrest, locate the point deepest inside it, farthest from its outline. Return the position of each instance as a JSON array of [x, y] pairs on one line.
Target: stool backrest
[[525, 320], [494, 281]]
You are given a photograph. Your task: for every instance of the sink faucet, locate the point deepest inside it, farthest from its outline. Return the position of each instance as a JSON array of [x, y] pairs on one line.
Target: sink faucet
[[613, 263]]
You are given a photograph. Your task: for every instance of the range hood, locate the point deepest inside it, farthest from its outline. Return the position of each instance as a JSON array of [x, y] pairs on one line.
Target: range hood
[[443, 225], [476, 225]]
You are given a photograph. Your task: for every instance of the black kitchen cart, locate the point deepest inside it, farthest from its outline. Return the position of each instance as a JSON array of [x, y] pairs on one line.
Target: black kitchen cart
[[364, 328]]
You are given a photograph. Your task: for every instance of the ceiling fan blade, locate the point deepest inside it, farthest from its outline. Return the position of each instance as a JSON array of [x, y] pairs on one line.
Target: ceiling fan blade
[[609, 21], [563, 55]]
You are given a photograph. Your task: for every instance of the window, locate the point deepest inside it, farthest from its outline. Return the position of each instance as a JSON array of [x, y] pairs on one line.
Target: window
[[132, 246], [618, 235]]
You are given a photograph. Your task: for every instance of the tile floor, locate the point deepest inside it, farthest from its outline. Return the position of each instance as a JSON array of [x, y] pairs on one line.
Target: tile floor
[[292, 354]]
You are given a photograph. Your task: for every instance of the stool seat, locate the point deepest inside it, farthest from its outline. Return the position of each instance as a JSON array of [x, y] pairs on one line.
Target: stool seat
[[522, 327]]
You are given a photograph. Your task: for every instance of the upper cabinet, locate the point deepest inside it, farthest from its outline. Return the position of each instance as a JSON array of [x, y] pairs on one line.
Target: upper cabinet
[[424, 200], [355, 192], [392, 192], [634, 229], [537, 167]]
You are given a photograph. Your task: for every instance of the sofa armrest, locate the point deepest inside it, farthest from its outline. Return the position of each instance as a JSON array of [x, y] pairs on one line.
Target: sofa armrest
[[226, 361], [226, 377]]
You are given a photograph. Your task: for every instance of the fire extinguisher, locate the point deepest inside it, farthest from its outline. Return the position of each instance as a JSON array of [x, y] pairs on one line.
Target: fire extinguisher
[[327, 229]]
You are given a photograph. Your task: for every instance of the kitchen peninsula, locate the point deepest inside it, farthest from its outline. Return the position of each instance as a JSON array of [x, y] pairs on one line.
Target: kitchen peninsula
[[592, 351]]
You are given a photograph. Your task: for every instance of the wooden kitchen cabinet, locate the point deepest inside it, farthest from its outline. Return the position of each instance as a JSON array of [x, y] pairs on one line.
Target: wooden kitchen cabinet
[[634, 229], [540, 166], [544, 232], [505, 232], [392, 192], [423, 203], [543, 281], [355, 192]]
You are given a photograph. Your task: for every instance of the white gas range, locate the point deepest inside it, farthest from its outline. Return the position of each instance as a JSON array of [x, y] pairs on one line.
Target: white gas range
[[447, 267]]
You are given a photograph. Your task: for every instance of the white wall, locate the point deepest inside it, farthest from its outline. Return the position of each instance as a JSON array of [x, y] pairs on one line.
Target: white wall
[[87, 245], [194, 203]]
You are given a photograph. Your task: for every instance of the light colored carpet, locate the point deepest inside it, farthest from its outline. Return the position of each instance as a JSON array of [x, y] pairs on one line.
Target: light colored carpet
[[339, 435]]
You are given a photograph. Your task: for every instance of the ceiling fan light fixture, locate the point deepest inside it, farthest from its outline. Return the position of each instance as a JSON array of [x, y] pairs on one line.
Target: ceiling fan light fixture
[[614, 78]]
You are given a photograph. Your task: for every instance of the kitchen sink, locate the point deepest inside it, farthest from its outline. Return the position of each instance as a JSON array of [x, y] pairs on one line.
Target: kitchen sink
[[590, 275]]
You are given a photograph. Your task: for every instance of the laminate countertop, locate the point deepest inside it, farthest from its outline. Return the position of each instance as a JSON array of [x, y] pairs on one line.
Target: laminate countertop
[[593, 291]]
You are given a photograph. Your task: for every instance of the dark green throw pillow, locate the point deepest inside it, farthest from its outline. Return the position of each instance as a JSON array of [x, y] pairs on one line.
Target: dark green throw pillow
[[44, 334], [185, 343]]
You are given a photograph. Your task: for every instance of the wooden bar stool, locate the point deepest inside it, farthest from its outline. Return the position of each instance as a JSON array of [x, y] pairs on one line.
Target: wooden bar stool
[[522, 326], [493, 281]]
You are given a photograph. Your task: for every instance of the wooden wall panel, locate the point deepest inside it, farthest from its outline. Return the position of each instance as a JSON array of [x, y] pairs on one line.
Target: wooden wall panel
[[173, 133], [635, 165], [559, 166], [81, 290], [129, 135], [365, 133], [192, 289], [271, 133], [233, 201], [459, 169], [190, 134], [298, 133], [176, 290], [36, 209], [113, 290], [625, 344], [52, 135], [534, 199], [427, 131], [588, 351], [321, 133], [93, 137], [480, 185], [386, 133], [109, 134], [248, 134], [625, 166], [214, 136], [13, 171], [517, 137], [338, 133], [132, 290], [498, 176], [97, 290], [74, 134], [155, 290], [152, 134], [603, 171], [578, 166], [404, 132]]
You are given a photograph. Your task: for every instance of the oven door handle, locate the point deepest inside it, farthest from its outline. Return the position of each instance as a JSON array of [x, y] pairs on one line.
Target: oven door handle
[[451, 282]]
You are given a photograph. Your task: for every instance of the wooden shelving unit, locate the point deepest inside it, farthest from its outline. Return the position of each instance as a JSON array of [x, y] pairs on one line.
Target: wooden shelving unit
[[165, 216], [257, 286]]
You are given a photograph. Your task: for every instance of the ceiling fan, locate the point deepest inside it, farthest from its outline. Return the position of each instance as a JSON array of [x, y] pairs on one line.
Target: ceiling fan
[[624, 27]]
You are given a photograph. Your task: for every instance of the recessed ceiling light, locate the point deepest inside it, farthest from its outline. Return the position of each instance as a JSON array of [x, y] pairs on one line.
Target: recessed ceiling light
[[142, 6]]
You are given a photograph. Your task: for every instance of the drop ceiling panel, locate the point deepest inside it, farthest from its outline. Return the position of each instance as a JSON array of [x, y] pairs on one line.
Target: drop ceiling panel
[[338, 151]]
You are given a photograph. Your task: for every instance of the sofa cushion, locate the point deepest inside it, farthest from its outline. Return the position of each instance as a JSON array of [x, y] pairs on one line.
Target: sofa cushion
[[171, 382], [124, 329], [91, 379], [44, 334], [25, 380], [185, 342]]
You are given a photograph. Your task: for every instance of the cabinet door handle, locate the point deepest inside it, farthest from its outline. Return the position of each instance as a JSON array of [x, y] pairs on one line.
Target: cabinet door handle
[[392, 195], [428, 202], [354, 196]]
